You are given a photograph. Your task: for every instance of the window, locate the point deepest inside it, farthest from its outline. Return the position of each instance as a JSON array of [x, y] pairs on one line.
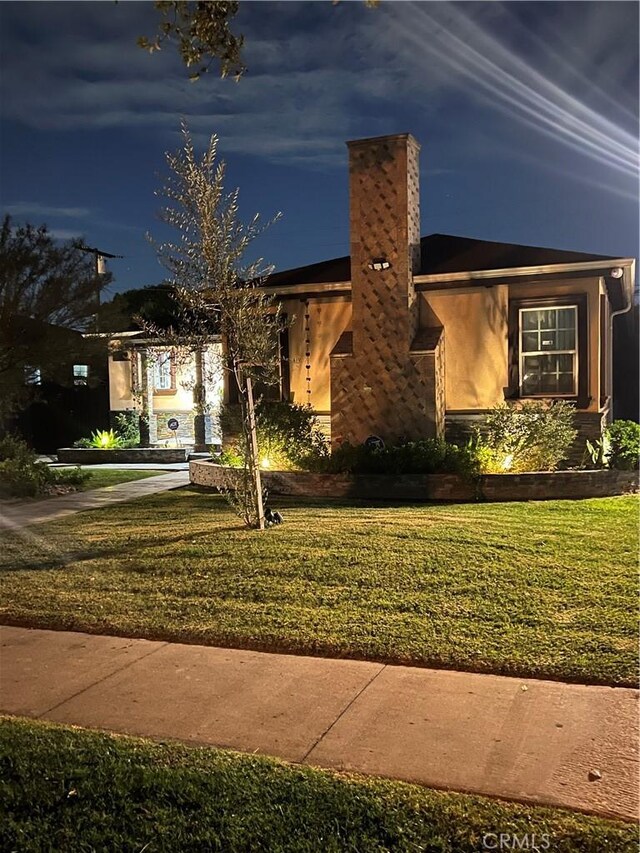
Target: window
[[549, 348], [80, 374], [164, 373], [548, 351], [32, 375]]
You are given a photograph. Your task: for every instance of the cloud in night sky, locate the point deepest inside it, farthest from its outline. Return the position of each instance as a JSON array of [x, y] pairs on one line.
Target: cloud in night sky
[[512, 90], [34, 208]]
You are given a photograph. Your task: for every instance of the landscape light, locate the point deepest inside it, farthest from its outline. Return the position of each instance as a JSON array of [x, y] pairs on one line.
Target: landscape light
[[265, 463]]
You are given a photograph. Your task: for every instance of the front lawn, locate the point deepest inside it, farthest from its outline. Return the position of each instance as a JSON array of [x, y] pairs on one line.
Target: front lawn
[[69, 789], [544, 589]]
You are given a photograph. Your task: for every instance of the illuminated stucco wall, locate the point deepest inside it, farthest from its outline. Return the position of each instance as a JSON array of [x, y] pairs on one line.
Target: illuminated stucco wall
[[476, 331], [121, 392], [476, 350], [327, 319]]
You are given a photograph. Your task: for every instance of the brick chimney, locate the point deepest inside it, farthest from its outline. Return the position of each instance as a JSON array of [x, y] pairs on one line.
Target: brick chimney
[[381, 383], [384, 189]]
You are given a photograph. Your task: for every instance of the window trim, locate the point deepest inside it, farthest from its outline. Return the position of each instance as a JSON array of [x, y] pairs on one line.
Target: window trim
[[580, 301], [165, 392], [80, 380], [573, 352]]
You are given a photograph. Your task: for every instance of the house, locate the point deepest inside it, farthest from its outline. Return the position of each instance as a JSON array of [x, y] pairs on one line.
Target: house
[[64, 381], [413, 337], [163, 386]]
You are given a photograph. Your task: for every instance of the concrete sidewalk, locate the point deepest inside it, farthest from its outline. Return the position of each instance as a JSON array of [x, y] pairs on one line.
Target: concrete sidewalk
[[535, 741], [23, 514]]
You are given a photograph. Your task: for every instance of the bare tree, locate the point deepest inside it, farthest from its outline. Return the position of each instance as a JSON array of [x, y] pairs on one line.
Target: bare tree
[[216, 289]]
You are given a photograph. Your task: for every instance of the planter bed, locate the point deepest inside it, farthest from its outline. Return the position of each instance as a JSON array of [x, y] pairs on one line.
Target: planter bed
[[129, 455], [431, 487]]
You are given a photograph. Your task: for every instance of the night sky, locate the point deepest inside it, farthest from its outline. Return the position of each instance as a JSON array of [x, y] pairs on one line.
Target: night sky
[[527, 114]]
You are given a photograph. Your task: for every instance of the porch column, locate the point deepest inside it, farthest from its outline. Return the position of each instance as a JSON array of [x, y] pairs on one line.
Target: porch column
[[200, 403], [148, 425]]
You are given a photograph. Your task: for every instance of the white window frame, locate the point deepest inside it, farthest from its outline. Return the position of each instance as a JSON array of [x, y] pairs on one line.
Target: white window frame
[[574, 352], [162, 357]]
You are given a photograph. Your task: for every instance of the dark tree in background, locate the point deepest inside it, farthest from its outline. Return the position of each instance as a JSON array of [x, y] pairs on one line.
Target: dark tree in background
[[46, 287]]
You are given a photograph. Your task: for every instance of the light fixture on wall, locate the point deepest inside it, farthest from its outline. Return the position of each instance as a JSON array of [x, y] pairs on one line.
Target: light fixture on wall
[[616, 272], [378, 264]]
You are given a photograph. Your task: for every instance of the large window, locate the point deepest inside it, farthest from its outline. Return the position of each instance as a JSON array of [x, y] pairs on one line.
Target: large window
[[548, 351], [549, 348], [164, 373]]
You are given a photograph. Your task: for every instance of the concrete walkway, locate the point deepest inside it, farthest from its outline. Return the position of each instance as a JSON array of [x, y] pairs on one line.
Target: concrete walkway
[[23, 513], [535, 741]]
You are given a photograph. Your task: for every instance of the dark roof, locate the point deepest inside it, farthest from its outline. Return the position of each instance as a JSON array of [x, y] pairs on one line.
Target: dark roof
[[444, 253]]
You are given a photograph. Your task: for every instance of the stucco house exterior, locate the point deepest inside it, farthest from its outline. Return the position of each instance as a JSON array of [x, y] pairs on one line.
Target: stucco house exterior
[[414, 336], [162, 385]]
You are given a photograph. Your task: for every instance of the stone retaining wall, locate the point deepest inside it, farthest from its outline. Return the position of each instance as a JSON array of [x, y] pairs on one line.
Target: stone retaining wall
[[431, 487], [130, 455]]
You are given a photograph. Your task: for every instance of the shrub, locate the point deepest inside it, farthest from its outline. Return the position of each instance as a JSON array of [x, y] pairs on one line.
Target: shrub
[[126, 433], [527, 436], [623, 450], [22, 476], [127, 428], [68, 476], [104, 439], [427, 456], [288, 436]]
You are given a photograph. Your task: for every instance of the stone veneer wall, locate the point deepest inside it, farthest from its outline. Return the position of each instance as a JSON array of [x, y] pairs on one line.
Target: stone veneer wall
[[125, 455], [432, 487]]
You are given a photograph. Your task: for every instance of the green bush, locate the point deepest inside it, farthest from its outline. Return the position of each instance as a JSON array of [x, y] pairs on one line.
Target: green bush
[[288, 436], [127, 428], [427, 456], [22, 476], [527, 436], [103, 439], [68, 476], [623, 451], [126, 433]]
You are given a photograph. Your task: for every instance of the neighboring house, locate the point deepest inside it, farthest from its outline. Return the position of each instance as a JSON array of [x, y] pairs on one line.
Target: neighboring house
[[412, 337], [65, 384], [161, 384]]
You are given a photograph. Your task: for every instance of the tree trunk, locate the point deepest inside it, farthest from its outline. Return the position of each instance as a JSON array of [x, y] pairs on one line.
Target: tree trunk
[[254, 462]]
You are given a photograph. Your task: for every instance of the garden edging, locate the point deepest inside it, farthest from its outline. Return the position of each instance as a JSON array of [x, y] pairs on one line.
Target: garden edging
[[121, 455], [430, 487]]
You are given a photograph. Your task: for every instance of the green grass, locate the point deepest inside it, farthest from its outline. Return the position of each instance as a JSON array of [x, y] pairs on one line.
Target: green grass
[[544, 589], [75, 790], [111, 477]]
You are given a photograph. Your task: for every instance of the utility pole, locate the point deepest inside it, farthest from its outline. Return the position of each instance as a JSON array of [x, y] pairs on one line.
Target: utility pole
[[101, 269]]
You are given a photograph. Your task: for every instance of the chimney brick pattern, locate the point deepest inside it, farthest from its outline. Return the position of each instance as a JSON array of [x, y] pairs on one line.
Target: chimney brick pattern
[[381, 387]]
